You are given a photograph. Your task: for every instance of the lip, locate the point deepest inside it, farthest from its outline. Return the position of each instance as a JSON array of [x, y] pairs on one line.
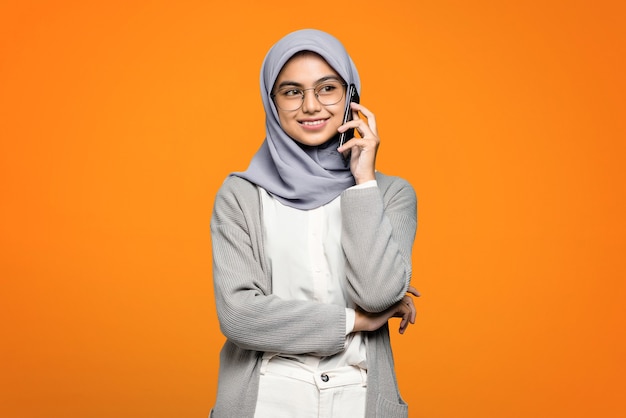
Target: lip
[[313, 124]]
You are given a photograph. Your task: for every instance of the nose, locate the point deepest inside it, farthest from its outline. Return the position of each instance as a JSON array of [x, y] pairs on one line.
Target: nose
[[310, 104]]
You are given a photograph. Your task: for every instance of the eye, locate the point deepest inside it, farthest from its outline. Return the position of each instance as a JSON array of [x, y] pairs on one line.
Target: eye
[[290, 92], [327, 88]]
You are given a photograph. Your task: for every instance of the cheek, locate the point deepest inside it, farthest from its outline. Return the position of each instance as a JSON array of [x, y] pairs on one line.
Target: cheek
[[339, 108], [283, 119], [337, 112]]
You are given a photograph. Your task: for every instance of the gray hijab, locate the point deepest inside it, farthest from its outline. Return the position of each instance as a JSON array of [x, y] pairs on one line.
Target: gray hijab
[[300, 176]]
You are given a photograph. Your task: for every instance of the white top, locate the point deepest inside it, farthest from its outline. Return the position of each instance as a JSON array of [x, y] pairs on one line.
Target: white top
[[307, 263]]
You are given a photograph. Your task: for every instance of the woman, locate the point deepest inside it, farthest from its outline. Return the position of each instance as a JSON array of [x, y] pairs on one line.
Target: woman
[[311, 251]]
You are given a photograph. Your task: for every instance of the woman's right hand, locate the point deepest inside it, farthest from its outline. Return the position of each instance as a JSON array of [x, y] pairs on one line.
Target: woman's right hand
[[405, 309], [363, 149]]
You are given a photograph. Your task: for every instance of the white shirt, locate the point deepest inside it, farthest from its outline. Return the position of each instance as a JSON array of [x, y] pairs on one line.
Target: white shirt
[[307, 262]]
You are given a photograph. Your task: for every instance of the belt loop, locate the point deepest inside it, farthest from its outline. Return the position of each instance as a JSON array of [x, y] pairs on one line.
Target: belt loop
[[264, 366], [363, 377], [265, 361]]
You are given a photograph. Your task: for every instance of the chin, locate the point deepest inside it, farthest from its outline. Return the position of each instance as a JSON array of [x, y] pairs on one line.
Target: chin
[[316, 139], [324, 141]]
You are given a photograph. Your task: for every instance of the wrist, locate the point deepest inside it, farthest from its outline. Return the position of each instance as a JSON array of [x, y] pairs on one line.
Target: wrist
[[365, 184], [358, 322], [364, 179]]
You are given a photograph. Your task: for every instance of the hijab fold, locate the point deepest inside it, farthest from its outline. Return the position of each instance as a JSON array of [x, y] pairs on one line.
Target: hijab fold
[[300, 176]]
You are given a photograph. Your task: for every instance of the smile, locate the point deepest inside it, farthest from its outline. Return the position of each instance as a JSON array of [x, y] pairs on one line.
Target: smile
[[313, 123]]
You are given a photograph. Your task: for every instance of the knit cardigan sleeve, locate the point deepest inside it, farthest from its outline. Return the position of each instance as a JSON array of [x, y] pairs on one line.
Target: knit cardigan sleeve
[[249, 315], [378, 231]]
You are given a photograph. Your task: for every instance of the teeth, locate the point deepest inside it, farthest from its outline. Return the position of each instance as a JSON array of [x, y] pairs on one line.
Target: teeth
[[313, 123]]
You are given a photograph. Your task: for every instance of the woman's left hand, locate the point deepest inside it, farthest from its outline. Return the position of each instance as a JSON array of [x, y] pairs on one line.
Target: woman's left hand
[[405, 309], [362, 151]]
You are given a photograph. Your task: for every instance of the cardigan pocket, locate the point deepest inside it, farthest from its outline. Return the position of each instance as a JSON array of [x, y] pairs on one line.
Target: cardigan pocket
[[389, 409]]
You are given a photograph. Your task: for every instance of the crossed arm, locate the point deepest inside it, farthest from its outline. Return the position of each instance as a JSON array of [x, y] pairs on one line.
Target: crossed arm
[[253, 318]]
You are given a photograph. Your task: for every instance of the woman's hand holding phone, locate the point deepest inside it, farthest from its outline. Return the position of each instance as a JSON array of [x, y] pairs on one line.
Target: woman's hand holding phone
[[361, 151]]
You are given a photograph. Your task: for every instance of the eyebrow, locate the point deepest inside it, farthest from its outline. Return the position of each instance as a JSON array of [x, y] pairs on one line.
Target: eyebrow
[[287, 83]]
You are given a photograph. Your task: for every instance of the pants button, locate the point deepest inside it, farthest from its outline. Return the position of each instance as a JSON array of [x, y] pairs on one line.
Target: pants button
[[325, 377]]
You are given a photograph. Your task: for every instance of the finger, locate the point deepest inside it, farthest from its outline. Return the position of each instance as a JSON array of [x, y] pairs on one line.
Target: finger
[[359, 123], [414, 291], [361, 126], [354, 145], [411, 307], [371, 119], [403, 325], [348, 145]]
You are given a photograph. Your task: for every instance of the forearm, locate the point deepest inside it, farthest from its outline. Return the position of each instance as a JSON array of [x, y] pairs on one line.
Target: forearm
[[289, 327], [256, 320], [377, 242]]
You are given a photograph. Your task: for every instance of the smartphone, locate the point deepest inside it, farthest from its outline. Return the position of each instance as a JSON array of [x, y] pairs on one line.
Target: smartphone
[[351, 96]]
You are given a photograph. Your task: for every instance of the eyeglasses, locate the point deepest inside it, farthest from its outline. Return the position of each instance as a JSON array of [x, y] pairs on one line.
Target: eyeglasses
[[291, 98]]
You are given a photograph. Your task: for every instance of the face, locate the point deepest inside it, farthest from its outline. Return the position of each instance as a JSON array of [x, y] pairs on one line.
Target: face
[[313, 123]]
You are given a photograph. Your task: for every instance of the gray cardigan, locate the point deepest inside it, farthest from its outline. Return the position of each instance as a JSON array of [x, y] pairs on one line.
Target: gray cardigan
[[378, 230]]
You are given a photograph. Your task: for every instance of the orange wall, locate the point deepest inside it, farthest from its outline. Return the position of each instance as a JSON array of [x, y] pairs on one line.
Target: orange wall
[[119, 120]]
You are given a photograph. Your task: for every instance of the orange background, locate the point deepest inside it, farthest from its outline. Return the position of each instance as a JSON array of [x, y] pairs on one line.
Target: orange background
[[119, 120]]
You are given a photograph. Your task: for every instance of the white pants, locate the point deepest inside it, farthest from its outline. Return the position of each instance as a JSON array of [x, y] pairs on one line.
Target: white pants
[[289, 389]]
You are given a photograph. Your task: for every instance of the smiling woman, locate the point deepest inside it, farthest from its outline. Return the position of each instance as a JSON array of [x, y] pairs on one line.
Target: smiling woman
[[311, 251], [309, 119], [119, 121]]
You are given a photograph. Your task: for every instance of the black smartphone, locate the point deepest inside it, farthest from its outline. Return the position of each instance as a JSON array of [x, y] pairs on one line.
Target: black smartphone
[[351, 96]]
